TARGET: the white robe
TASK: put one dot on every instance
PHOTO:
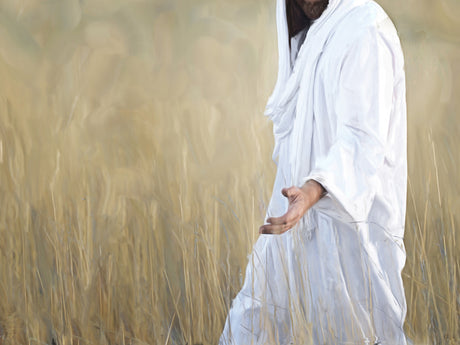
(336, 278)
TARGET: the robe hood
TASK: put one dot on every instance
(284, 54)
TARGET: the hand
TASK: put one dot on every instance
(300, 200)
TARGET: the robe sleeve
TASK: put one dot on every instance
(362, 106)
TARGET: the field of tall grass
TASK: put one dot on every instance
(135, 166)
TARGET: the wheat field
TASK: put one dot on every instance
(135, 166)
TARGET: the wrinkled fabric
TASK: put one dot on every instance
(290, 105)
(335, 278)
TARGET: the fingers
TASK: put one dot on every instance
(292, 216)
(278, 225)
(269, 229)
(278, 220)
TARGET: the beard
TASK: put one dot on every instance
(313, 9)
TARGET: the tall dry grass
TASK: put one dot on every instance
(135, 166)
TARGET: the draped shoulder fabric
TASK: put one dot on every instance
(339, 117)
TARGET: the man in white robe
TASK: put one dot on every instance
(326, 268)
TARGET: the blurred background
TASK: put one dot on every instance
(135, 166)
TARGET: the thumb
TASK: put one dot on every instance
(286, 192)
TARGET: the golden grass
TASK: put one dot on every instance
(135, 166)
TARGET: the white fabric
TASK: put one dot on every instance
(339, 118)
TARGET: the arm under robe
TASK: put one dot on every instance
(363, 106)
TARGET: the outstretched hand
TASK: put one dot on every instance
(300, 200)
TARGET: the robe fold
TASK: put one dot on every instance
(335, 278)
